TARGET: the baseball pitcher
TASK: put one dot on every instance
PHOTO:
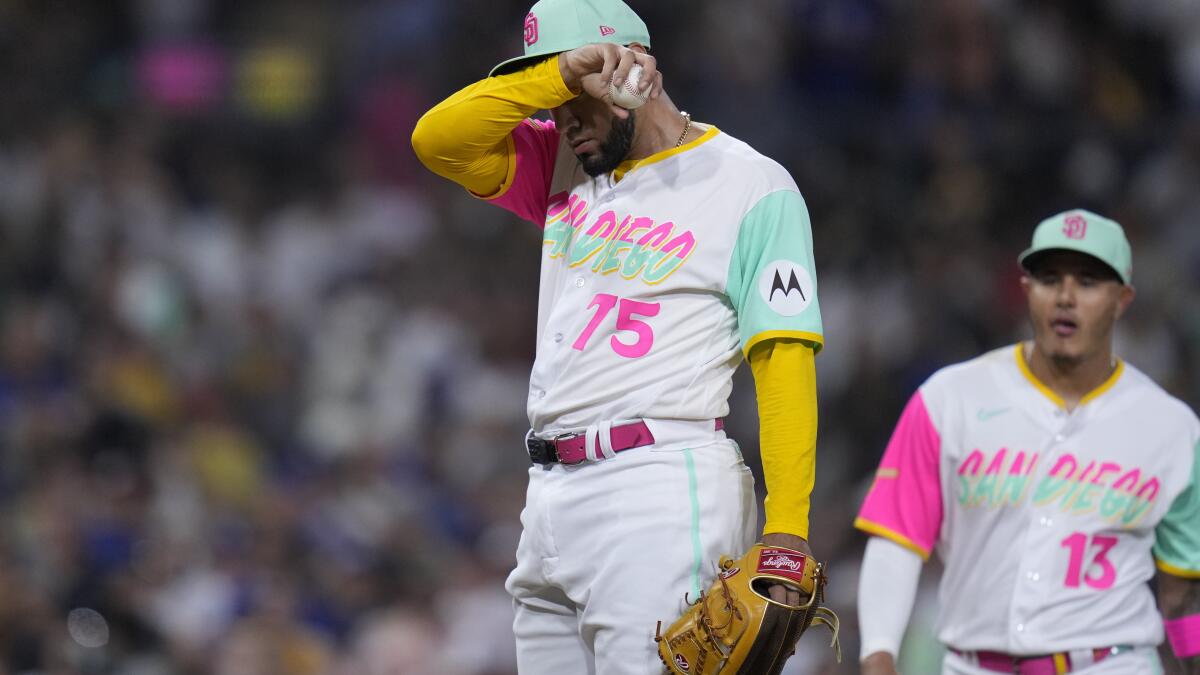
(1051, 478)
(670, 252)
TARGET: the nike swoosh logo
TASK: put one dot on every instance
(985, 415)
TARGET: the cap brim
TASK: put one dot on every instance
(514, 64)
(1029, 254)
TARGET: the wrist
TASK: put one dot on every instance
(786, 540)
(569, 71)
(879, 663)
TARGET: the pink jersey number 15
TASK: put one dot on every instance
(604, 302)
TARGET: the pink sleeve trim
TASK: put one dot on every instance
(527, 190)
(906, 499)
(1184, 635)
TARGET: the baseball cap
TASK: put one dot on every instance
(1086, 232)
(554, 26)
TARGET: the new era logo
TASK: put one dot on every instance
(606, 31)
(1075, 226)
(531, 31)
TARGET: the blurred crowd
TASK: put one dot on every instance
(262, 379)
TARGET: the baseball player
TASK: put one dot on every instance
(670, 252)
(1051, 477)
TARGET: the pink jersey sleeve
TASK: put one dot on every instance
(534, 147)
(905, 502)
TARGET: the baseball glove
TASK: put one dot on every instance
(736, 628)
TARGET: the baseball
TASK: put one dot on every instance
(627, 96)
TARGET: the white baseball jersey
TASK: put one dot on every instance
(652, 286)
(1048, 521)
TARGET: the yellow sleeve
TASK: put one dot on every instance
(466, 137)
(785, 378)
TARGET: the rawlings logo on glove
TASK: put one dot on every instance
(735, 628)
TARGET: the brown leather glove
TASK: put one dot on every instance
(736, 628)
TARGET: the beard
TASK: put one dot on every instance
(613, 150)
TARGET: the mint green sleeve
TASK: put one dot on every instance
(772, 279)
(1177, 537)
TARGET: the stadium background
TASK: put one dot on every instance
(262, 377)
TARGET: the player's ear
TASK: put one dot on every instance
(638, 47)
(1125, 299)
(1025, 283)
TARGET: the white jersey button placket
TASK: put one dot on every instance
(1027, 591)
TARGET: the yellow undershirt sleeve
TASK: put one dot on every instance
(466, 137)
(785, 378)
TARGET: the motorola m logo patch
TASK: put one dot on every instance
(793, 284)
(787, 287)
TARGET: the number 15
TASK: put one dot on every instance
(604, 302)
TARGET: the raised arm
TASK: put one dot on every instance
(467, 137)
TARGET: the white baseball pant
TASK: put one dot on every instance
(609, 548)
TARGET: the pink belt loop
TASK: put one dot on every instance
(604, 441)
(591, 443)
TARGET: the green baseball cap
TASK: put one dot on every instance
(554, 26)
(1086, 232)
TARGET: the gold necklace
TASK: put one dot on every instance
(687, 125)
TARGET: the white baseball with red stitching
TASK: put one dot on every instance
(627, 95)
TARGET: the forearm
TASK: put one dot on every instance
(887, 588)
(1179, 602)
(465, 138)
(785, 380)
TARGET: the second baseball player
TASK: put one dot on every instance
(1051, 478)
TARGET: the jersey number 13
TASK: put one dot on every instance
(1078, 545)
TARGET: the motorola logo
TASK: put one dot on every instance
(786, 287)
